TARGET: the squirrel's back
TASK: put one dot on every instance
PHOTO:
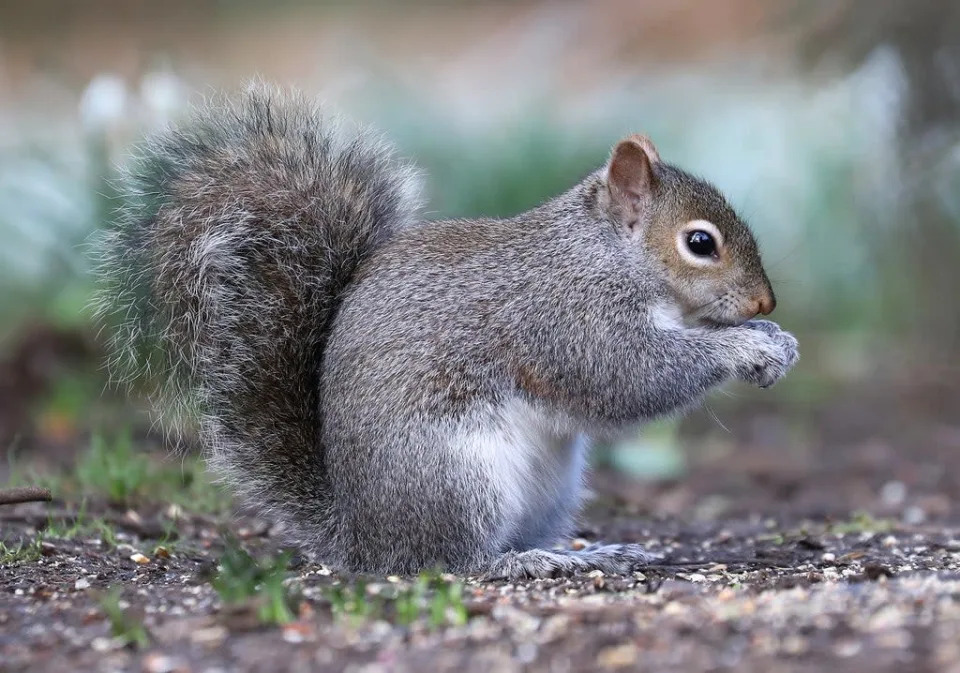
(239, 232)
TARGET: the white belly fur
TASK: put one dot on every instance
(535, 461)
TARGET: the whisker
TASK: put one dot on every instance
(791, 250)
(695, 312)
(716, 418)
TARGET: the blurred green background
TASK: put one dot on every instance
(832, 126)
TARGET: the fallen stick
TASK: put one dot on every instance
(12, 496)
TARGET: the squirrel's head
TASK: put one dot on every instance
(708, 255)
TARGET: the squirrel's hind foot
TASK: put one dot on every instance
(611, 559)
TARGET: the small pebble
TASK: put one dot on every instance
(794, 645)
(213, 636)
(674, 608)
(139, 558)
(295, 632)
(914, 516)
(526, 653)
(893, 493)
(848, 648)
(897, 639)
(81, 584)
(619, 656)
(159, 663)
(102, 644)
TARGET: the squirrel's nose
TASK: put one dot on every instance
(766, 304)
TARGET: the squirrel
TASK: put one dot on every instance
(404, 394)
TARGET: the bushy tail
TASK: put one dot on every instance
(240, 231)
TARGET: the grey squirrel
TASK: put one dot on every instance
(405, 394)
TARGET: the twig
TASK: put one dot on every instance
(12, 496)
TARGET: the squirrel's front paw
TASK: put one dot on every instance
(769, 353)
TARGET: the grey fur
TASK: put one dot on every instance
(400, 394)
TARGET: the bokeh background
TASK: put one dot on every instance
(832, 125)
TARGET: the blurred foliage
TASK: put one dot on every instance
(47, 209)
(114, 469)
(802, 161)
(498, 174)
(921, 40)
(845, 161)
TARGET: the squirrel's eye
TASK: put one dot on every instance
(701, 243)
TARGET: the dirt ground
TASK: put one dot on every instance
(833, 547)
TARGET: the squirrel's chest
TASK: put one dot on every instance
(533, 465)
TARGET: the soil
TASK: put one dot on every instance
(835, 547)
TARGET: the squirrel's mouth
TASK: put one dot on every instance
(721, 311)
(716, 316)
(717, 323)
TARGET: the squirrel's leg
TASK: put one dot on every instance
(555, 522)
(551, 519)
(612, 559)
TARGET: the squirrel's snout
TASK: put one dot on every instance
(766, 304)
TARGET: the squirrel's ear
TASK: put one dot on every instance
(630, 175)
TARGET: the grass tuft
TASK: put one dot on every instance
(862, 522)
(432, 596)
(114, 468)
(23, 552)
(123, 625)
(82, 526)
(242, 578)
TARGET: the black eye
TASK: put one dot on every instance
(701, 243)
